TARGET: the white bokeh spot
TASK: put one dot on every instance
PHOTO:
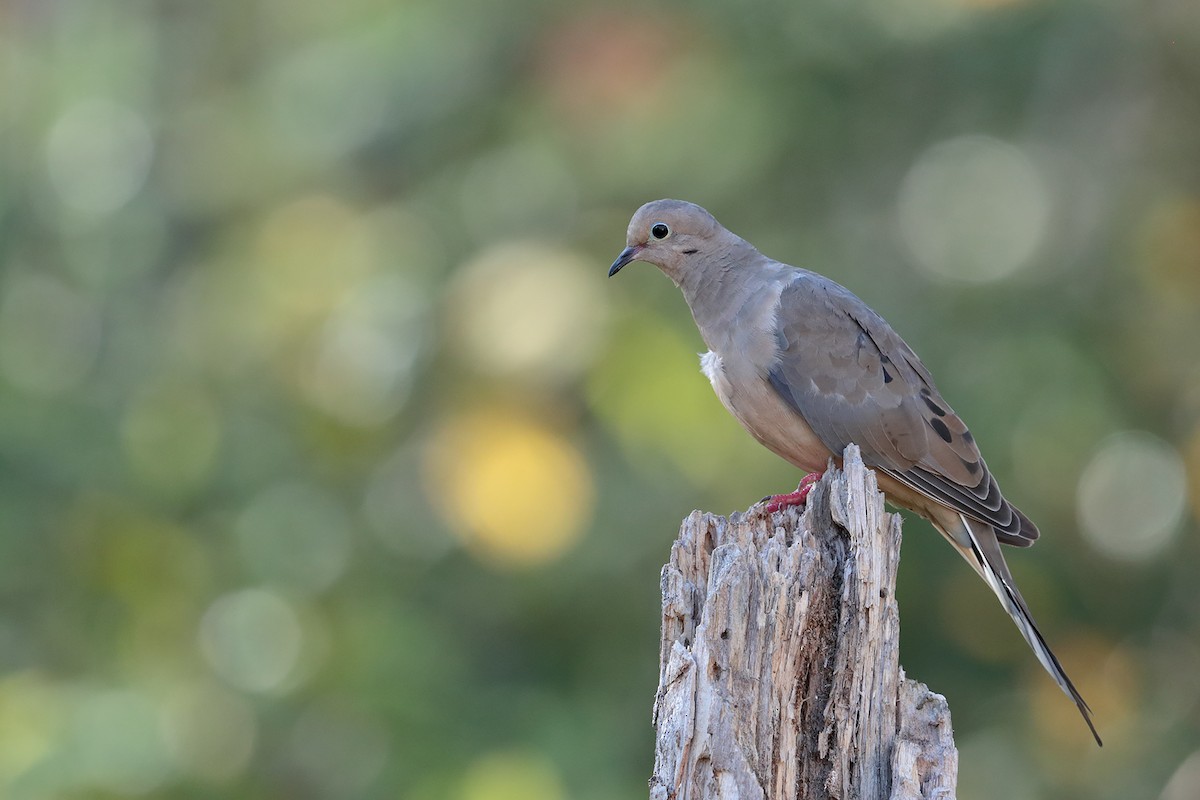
(1131, 496)
(252, 639)
(98, 156)
(973, 209)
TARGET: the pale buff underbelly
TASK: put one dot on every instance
(768, 418)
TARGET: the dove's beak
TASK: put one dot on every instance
(628, 254)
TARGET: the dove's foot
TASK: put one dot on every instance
(778, 502)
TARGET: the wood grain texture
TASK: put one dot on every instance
(779, 674)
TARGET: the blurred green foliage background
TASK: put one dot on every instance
(331, 466)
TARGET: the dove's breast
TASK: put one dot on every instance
(736, 318)
(755, 404)
(737, 365)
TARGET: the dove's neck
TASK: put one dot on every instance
(737, 284)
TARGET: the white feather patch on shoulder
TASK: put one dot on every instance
(710, 365)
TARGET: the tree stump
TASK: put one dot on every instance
(779, 674)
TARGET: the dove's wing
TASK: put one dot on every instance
(853, 379)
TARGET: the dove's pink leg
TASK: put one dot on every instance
(777, 502)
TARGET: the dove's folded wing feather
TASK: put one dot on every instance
(853, 379)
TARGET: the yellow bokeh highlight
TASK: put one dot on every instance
(516, 492)
(152, 566)
(528, 308)
(31, 719)
(515, 775)
(144, 560)
(310, 255)
(1169, 251)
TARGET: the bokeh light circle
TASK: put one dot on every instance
(296, 536)
(529, 309)
(252, 639)
(515, 491)
(1131, 496)
(98, 155)
(512, 775)
(209, 731)
(973, 209)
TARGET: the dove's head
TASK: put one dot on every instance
(673, 235)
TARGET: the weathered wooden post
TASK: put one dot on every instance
(779, 674)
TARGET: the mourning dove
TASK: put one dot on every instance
(807, 368)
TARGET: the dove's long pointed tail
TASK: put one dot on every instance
(982, 551)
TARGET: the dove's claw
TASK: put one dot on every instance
(779, 502)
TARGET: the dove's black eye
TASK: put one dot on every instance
(659, 230)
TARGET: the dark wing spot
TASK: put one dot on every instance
(887, 376)
(967, 437)
(941, 429)
(972, 466)
(933, 406)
